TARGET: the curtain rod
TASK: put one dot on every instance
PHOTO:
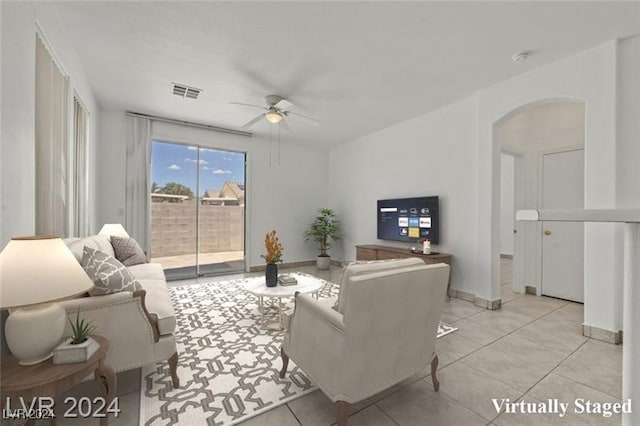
(190, 124)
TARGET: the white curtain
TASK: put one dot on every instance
(80, 187)
(138, 188)
(52, 97)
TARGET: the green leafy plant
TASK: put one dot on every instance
(324, 230)
(175, 188)
(80, 330)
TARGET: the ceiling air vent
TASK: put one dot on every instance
(185, 91)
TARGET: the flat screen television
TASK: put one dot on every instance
(409, 219)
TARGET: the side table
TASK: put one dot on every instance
(24, 383)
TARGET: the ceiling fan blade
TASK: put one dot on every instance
(284, 123)
(249, 105)
(304, 118)
(252, 122)
(283, 104)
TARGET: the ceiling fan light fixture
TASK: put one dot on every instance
(273, 117)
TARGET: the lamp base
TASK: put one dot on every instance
(32, 332)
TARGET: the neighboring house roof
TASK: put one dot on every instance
(211, 193)
(236, 188)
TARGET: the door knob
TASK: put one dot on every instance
(547, 232)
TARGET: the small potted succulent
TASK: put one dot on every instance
(324, 230)
(79, 347)
(273, 257)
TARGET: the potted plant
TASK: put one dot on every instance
(273, 257)
(324, 230)
(80, 346)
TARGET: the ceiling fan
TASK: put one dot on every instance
(276, 112)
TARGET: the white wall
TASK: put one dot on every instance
(18, 108)
(628, 131)
(590, 76)
(628, 123)
(433, 154)
(18, 117)
(282, 196)
(507, 192)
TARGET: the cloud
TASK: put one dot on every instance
(190, 160)
(221, 172)
(192, 148)
(226, 158)
(205, 168)
(174, 167)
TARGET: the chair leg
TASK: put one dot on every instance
(285, 363)
(434, 379)
(173, 367)
(342, 412)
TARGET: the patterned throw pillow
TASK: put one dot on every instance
(128, 251)
(107, 273)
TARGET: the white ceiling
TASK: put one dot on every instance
(357, 67)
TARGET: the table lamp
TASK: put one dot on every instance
(35, 272)
(115, 229)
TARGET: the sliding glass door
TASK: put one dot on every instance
(198, 209)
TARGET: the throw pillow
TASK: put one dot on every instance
(128, 251)
(107, 273)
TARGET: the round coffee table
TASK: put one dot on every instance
(257, 287)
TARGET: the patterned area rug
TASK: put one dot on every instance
(228, 365)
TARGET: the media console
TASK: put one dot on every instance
(377, 252)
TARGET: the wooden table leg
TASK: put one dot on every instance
(107, 378)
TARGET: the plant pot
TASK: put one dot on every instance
(323, 262)
(66, 353)
(271, 274)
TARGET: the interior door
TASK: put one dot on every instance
(563, 242)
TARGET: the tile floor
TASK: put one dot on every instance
(532, 350)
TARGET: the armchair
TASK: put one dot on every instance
(386, 333)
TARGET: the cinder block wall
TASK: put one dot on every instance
(173, 228)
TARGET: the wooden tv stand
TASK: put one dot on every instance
(376, 252)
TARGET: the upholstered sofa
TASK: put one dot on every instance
(139, 324)
(382, 330)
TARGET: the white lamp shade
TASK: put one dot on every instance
(273, 117)
(114, 229)
(37, 270)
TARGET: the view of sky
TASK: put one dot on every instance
(177, 163)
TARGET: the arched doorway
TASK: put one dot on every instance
(546, 141)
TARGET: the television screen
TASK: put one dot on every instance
(409, 219)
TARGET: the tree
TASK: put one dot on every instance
(175, 188)
(155, 188)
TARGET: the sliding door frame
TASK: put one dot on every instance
(246, 198)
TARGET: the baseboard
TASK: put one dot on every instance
(260, 268)
(608, 336)
(491, 305)
(464, 295)
(506, 256)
